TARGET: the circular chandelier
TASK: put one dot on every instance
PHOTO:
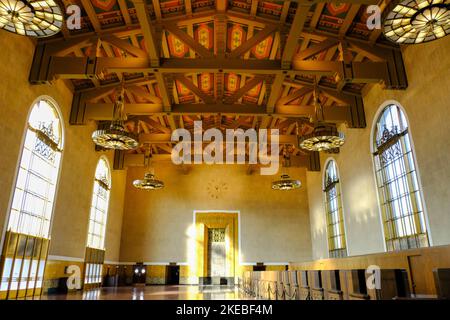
(417, 21)
(116, 137)
(148, 183)
(34, 18)
(286, 183)
(323, 138)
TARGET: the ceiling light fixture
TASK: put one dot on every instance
(116, 137)
(325, 136)
(34, 18)
(417, 21)
(286, 182)
(150, 182)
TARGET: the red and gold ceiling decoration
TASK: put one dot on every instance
(206, 82)
(237, 34)
(184, 94)
(104, 5)
(204, 34)
(177, 48)
(262, 50)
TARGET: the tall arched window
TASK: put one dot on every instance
(398, 187)
(99, 206)
(333, 207)
(97, 224)
(31, 211)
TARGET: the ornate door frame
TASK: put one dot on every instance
(230, 220)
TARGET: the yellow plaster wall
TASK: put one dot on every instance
(55, 269)
(158, 225)
(73, 198)
(426, 102)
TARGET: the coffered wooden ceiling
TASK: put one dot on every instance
(232, 64)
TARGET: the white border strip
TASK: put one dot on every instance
(64, 258)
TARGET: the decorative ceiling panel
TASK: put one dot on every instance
(204, 34)
(252, 96)
(232, 83)
(262, 50)
(270, 9)
(172, 7)
(333, 16)
(237, 34)
(206, 82)
(177, 48)
(184, 94)
(200, 5)
(293, 9)
(358, 28)
(240, 5)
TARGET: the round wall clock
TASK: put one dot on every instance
(216, 188)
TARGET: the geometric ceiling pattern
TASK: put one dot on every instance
(257, 32)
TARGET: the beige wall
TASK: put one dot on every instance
(426, 102)
(274, 225)
(69, 231)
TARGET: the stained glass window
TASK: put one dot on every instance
(32, 205)
(99, 206)
(333, 209)
(26, 242)
(398, 187)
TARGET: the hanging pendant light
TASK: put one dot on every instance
(34, 18)
(417, 21)
(286, 182)
(116, 137)
(325, 136)
(150, 182)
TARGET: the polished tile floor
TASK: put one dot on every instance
(178, 292)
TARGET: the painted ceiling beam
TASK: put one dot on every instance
(192, 87)
(124, 10)
(293, 96)
(165, 138)
(244, 89)
(315, 49)
(92, 15)
(146, 27)
(348, 21)
(274, 91)
(124, 45)
(188, 40)
(304, 2)
(253, 41)
(90, 68)
(138, 159)
(295, 31)
(103, 111)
